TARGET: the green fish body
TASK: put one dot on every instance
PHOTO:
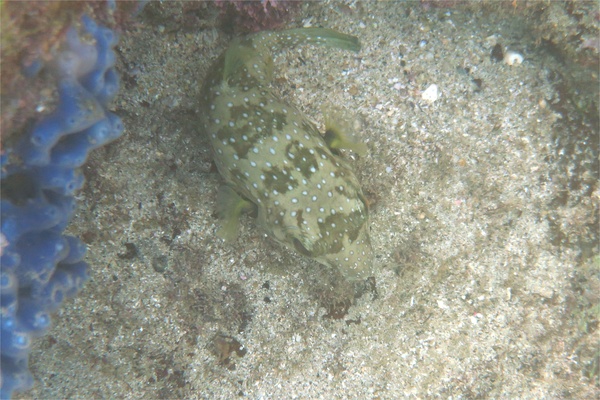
(273, 157)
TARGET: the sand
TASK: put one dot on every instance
(484, 223)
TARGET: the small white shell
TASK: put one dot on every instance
(512, 58)
(430, 94)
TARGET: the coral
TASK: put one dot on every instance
(40, 266)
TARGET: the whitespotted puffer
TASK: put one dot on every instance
(273, 158)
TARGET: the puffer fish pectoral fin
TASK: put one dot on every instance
(236, 56)
(269, 66)
(339, 133)
(233, 59)
(230, 206)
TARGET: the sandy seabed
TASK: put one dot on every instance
(487, 267)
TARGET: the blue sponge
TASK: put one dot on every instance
(40, 267)
(78, 110)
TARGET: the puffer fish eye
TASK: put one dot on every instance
(300, 248)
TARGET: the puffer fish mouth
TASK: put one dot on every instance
(355, 258)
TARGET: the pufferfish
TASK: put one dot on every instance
(274, 159)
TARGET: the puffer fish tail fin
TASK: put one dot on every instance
(339, 133)
(230, 206)
(320, 36)
(253, 52)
